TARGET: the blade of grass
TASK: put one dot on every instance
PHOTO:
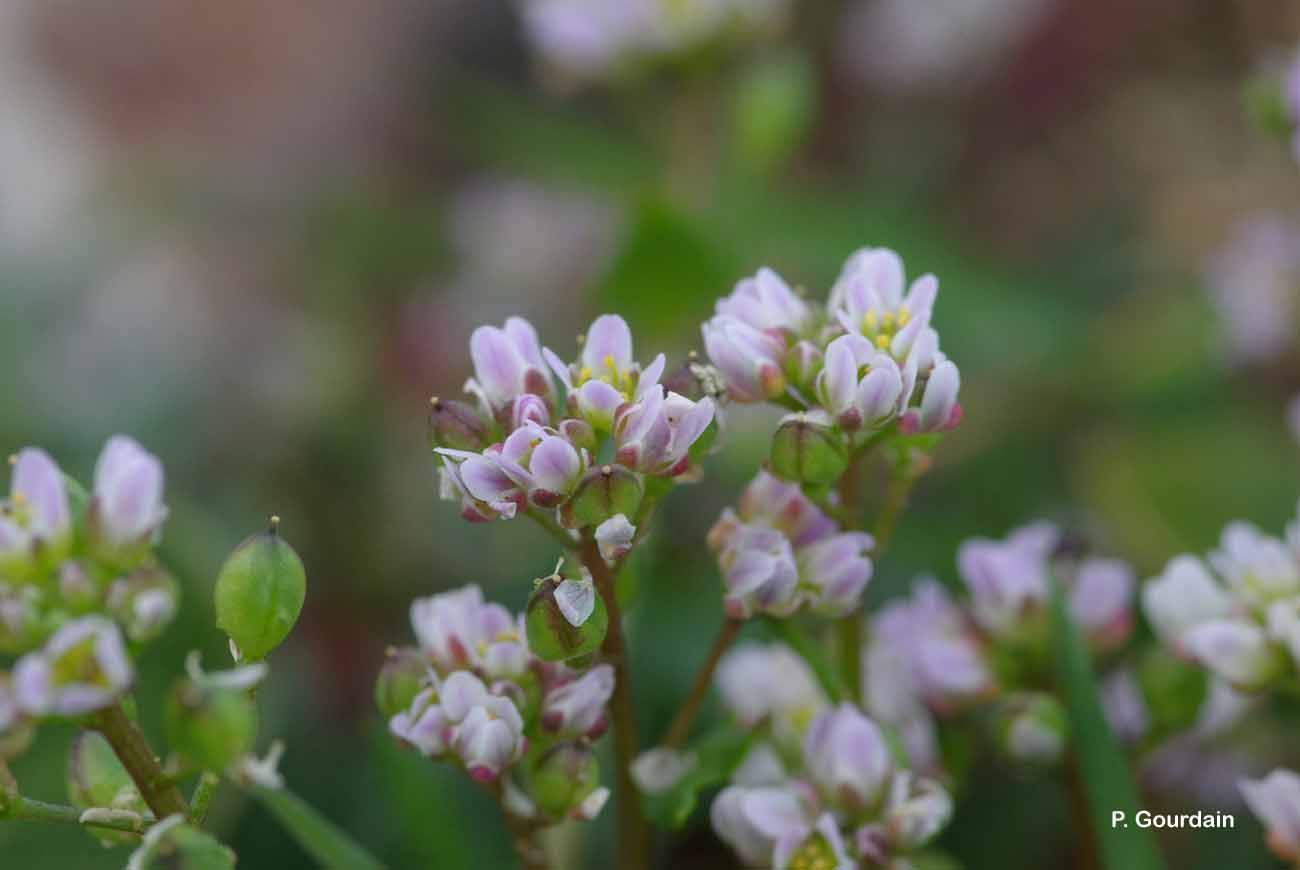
(1107, 782)
(317, 835)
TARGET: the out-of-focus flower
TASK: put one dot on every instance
(1253, 282)
(487, 729)
(507, 365)
(83, 667)
(606, 375)
(868, 300)
(770, 682)
(780, 552)
(655, 434)
(1032, 729)
(916, 811)
(1007, 578)
(847, 759)
(424, 725)
(766, 303)
(859, 385)
(458, 630)
(1183, 596)
(143, 603)
(1259, 569)
(1275, 800)
(1124, 706)
(1100, 600)
(753, 821)
(659, 769)
(614, 537)
(1236, 650)
(36, 516)
(749, 360)
(577, 707)
(127, 507)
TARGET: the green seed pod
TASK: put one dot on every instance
(457, 425)
(175, 845)
(404, 675)
(210, 727)
(563, 777)
(565, 619)
(807, 451)
(97, 779)
(603, 492)
(259, 593)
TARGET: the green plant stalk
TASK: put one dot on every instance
(634, 832)
(680, 726)
(159, 792)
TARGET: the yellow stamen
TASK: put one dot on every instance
(882, 342)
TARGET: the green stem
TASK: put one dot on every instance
(554, 529)
(789, 632)
(162, 795)
(634, 833)
(202, 797)
(26, 809)
(681, 724)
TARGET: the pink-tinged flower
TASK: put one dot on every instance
(868, 300)
(925, 646)
(752, 821)
(915, 811)
(507, 365)
(1007, 579)
(424, 725)
(486, 729)
(458, 630)
(1257, 568)
(529, 409)
(1100, 600)
(657, 770)
(481, 486)
(783, 506)
(758, 571)
(1236, 650)
(577, 707)
(614, 537)
(859, 385)
(36, 514)
(1275, 801)
(83, 667)
(127, 508)
(540, 463)
(836, 570)
(765, 302)
(654, 435)
(1183, 596)
(847, 759)
(1252, 281)
(818, 845)
(939, 410)
(749, 360)
(606, 376)
(770, 683)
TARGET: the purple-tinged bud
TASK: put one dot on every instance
(97, 779)
(1100, 599)
(487, 731)
(758, 566)
(143, 603)
(126, 508)
(939, 410)
(838, 569)
(847, 759)
(1275, 801)
(564, 779)
(457, 425)
(209, 727)
(766, 302)
(579, 433)
(35, 522)
(529, 409)
(615, 537)
(577, 707)
(1237, 651)
(604, 492)
(806, 449)
(481, 485)
(457, 630)
(565, 619)
(748, 359)
(404, 675)
(507, 364)
(1032, 728)
(82, 668)
(656, 433)
(423, 725)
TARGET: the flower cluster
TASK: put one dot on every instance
(539, 421)
(1239, 615)
(598, 39)
(779, 552)
(866, 361)
(929, 658)
(78, 580)
(822, 785)
(474, 692)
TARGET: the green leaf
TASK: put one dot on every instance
(318, 836)
(717, 755)
(1107, 783)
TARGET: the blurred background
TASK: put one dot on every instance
(257, 236)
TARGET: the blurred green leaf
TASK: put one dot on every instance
(318, 836)
(1107, 783)
(772, 109)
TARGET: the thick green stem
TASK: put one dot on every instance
(159, 792)
(202, 797)
(681, 724)
(634, 833)
(14, 806)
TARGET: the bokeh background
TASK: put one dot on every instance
(256, 235)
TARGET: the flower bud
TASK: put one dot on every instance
(486, 729)
(1032, 729)
(143, 603)
(565, 619)
(603, 492)
(259, 593)
(97, 779)
(563, 780)
(210, 727)
(174, 845)
(806, 449)
(77, 590)
(404, 675)
(457, 425)
(127, 508)
(35, 522)
(577, 707)
(847, 758)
